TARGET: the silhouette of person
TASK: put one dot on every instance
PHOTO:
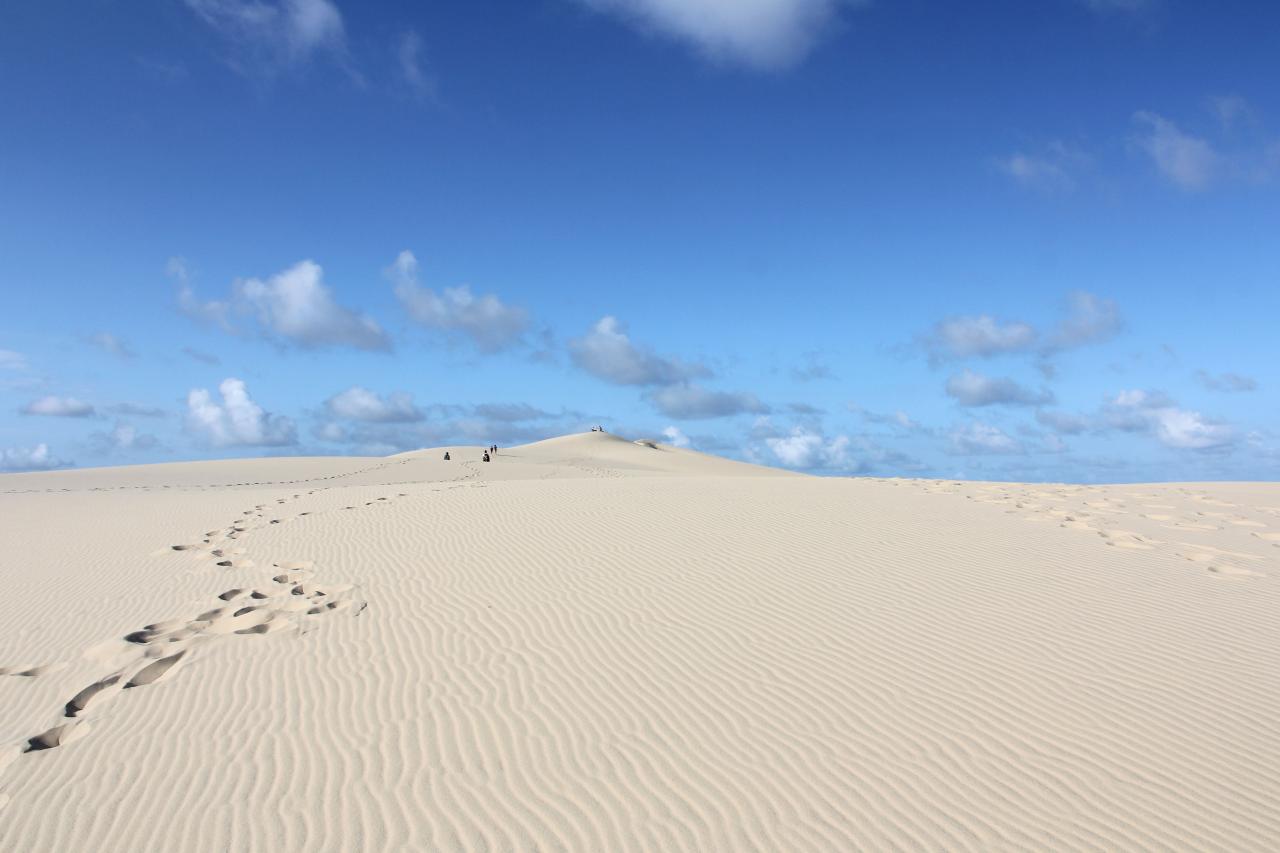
(486, 456)
(446, 456)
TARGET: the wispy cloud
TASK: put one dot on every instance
(10, 360)
(409, 57)
(762, 34)
(1187, 161)
(1055, 168)
(265, 37)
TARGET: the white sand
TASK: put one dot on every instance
(590, 644)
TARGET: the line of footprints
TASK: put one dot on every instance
(289, 602)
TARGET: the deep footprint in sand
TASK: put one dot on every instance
(153, 672)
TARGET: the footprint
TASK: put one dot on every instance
(153, 672)
(95, 694)
(57, 736)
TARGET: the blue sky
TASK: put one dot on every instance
(999, 240)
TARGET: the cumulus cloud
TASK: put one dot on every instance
(807, 450)
(693, 402)
(485, 320)
(10, 360)
(1189, 162)
(265, 36)
(361, 404)
(1157, 414)
(109, 343)
(675, 437)
(609, 354)
(294, 306)
(763, 34)
(977, 438)
(58, 407)
(409, 57)
(974, 389)
(236, 421)
(1226, 382)
(37, 458)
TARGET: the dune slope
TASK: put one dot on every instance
(593, 644)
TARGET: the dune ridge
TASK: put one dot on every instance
(596, 644)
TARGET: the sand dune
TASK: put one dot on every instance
(595, 644)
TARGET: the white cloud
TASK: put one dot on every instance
(1089, 319)
(806, 449)
(265, 35)
(675, 437)
(1062, 422)
(214, 312)
(983, 336)
(361, 404)
(1052, 170)
(608, 353)
(36, 458)
(974, 389)
(765, 34)
(693, 402)
(10, 360)
(109, 343)
(409, 56)
(58, 407)
(1188, 161)
(295, 304)
(491, 325)
(980, 438)
(1142, 411)
(237, 421)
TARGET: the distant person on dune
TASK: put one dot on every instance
(446, 456)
